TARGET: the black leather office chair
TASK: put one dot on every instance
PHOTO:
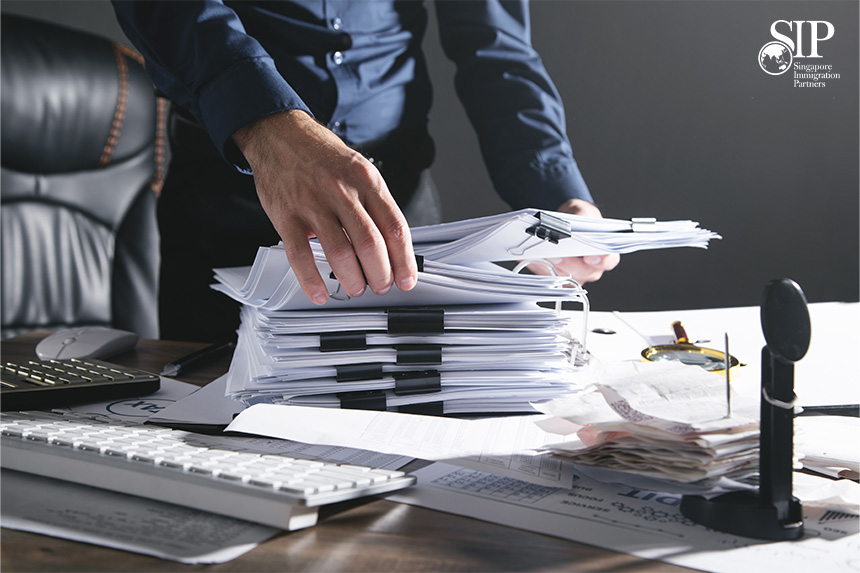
(80, 165)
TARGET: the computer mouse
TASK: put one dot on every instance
(86, 342)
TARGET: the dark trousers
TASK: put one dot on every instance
(210, 217)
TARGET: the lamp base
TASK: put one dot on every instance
(742, 513)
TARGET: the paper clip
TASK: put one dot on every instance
(582, 298)
(520, 250)
(342, 297)
(549, 228)
(336, 294)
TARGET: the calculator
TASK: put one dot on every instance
(41, 385)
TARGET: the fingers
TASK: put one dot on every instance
(580, 207)
(587, 269)
(581, 269)
(342, 259)
(603, 262)
(398, 241)
(311, 184)
(356, 251)
(364, 236)
(378, 234)
(302, 263)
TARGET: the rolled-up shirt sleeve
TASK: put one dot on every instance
(200, 57)
(511, 101)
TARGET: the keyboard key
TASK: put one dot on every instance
(177, 467)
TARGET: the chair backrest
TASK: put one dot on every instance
(79, 137)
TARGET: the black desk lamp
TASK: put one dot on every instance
(772, 513)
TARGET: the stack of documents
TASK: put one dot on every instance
(490, 358)
(663, 420)
(270, 284)
(533, 234)
(469, 338)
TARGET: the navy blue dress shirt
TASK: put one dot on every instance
(357, 66)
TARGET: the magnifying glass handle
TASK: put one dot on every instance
(680, 333)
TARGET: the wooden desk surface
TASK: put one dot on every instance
(375, 535)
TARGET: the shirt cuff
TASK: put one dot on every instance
(243, 93)
(546, 182)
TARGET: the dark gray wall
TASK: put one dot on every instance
(670, 116)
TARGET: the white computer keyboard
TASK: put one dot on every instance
(181, 468)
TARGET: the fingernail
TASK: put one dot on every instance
(383, 290)
(406, 284)
(555, 261)
(592, 260)
(320, 298)
(359, 293)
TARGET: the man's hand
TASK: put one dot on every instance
(311, 184)
(581, 269)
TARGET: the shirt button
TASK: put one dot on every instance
(337, 58)
(336, 24)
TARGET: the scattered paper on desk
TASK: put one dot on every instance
(502, 445)
(644, 523)
(664, 420)
(71, 511)
(206, 406)
(842, 495)
(828, 445)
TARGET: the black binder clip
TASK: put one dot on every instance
(418, 382)
(548, 228)
(367, 400)
(423, 409)
(419, 354)
(403, 320)
(772, 513)
(343, 341)
(358, 372)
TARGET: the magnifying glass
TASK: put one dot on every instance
(686, 352)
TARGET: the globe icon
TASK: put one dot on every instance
(774, 58)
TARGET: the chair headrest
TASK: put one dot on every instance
(68, 97)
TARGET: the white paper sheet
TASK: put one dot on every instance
(826, 375)
(638, 522)
(829, 444)
(438, 284)
(495, 358)
(501, 445)
(208, 406)
(507, 237)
